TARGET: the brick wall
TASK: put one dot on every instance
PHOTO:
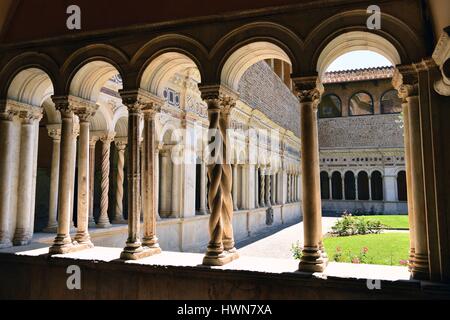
(262, 89)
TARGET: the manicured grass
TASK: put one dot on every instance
(383, 249)
(392, 222)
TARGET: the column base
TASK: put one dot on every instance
(139, 253)
(312, 261)
(103, 225)
(6, 243)
(21, 238)
(51, 229)
(70, 248)
(119, 221)
(202, 213)
(420, 268)
(91, 223)
(213, 259)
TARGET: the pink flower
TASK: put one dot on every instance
(404, 262)
(356, 260)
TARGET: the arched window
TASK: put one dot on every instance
(376, 184)
(390, 102)
(330, 107)
(350, 190)
(325, 185)
(336, 185)
(363, 186)
(401, 186)
(361, 104)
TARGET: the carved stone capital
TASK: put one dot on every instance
(140, 100)
(441, 56)
(54, 132)
(107, 138)
(308, 89)
(84, 109)
(121, 145)
(219, 97)
(405, 81)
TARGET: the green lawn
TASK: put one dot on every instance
(393, 222)
(384, 249)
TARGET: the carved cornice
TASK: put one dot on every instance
(141, 100)
(405, 81)
(25, 112)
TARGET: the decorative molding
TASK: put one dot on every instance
(441, 56)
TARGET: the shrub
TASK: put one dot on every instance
(297, 251)
(349, 225)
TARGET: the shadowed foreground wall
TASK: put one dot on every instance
(44, 278)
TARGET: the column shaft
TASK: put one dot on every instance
(235, 188)
(118, 212)
(52, 224)
(103, 220)
(203, 188)
(92, 145)
(82, 237)
(22, 234)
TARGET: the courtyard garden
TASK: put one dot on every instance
(382, 240)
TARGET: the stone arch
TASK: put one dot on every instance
(164, 66)
(283, 42)
(355, 97)
(363, 186)
(396, 40)
(389, 108)
(29, 61)
(100, 55)
(401, 186)
(31, 86)
(169, 43)
(330, 98)
(336, 186)
(87, 82)
(376, 186)
(350, 185)
(325, 185)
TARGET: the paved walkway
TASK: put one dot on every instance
(279, 245)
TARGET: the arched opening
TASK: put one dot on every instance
(361, 104)
(377, 186)
(363, 186)
(325, 185)
(391, 102)
(350, 190)
(336, 186)
(330, 106)
(401, 186)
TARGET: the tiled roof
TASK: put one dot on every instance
(358, 75)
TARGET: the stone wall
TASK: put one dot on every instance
(374, 131)
(262, 89)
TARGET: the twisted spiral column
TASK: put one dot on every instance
(118, 213)
(262, 191)
(221, 248)
(103, 220)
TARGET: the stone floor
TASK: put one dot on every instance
(279, 244)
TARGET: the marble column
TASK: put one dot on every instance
(262, 191)
(118, 212)
(76, 133)
(221, 248)
(409, 92)
(92, 144)
(268, 190)
(157, 182)
(103, 220)
(257, 187)
(82, 236)
(330, 186)
(22, 235)
(313, 258)
(288, 198)
(235, 187)
(6, 163)
(52, 224)
(63, 242)
(150, 239)
(134, 249)
(176, 188)
(202, 188)
(165, 184)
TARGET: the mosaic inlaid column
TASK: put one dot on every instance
(52, 224)
(268, 189)
(103, 220)
(262, 191)
(312, 259)
(221, 248)
(120, 178)
(235, 187)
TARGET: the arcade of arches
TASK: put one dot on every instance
(88, 130)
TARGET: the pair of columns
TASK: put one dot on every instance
(293, 187)
(29, 118)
